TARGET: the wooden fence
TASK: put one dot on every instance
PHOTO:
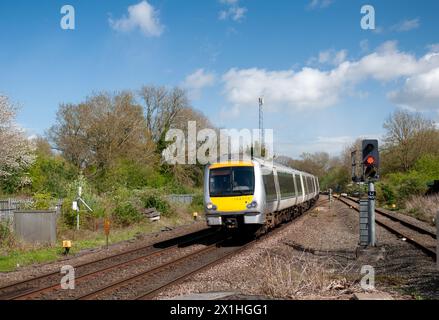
(180, 198)
(8, 206)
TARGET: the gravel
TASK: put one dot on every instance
(318, 257)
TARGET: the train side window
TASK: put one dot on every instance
(270, 187)
(286, 184)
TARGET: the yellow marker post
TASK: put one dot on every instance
(195, 215)
(67, 244)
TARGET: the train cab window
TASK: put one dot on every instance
(234, 181)
(270, 187)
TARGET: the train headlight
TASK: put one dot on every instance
(252, 205)
(211, 206)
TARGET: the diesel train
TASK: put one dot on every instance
(255, 194)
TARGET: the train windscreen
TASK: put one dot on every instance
(233, 181)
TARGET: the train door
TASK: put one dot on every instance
(276, 182)
(302, 181)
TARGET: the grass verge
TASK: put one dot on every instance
(21, 255)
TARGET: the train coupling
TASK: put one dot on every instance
(231, 223)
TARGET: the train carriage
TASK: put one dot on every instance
(256, 194)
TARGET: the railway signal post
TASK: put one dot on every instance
(370, 174)
(371, 209)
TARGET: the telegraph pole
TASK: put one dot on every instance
(261, 122)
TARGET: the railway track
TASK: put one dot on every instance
(153, 281)
(415, 233)
(33, 287)
(140, 273)
(153, 292)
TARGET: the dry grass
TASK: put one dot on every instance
(423, 208)
(300, 276)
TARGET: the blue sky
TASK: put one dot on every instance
(325, 80)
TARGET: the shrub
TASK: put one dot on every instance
(100, 205)
(428, 166)
(423, 208)
(385, 193)
(51, 174)
(156, 201)
(407, 185)
(197, 203)
(126, 214)
(6, 235)
(42, 201)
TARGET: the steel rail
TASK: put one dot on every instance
(419, 229)
(30, 292)
(150, 294)
(155, 270)
(417, 242)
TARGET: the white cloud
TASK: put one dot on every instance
(197, 81)
(421, 90)
(331, 57)
(141, 16)
(434, 47)
(234, 11)
(287, 90)
(406, 25)
(307, 88)
(364, 45)
(319, 4)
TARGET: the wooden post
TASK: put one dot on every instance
(107, 230)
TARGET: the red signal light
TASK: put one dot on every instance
(370, 160)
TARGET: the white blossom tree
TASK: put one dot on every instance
(16, 151)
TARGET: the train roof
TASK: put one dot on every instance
(270, 164)
(280, 167)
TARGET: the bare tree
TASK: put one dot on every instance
(408, 136)
(16, 151)
(316, 163)
(189, 175)
(161, 106)
(101, 130)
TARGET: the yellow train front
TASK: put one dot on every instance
(255, 194)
